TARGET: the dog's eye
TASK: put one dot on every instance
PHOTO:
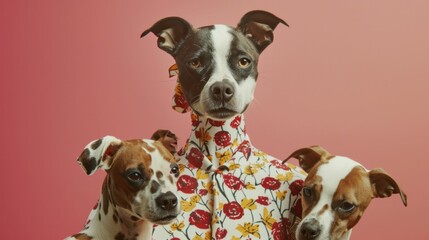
(175, 169)
(135, 176)
(346, 207)
(243, 62)
(308, 192)
(195, 63)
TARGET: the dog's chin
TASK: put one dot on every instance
(221, 113)
(164, 219)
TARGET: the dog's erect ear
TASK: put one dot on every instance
(308, 157)
(258, 26)
(99, 154)
(383, 185)
(171, 32)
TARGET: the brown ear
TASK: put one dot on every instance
(308, 157)
(258, 26)
(384, 185)
(171, 32)
(99, 154)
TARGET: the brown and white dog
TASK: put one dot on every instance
(138, 191)
(336, 193)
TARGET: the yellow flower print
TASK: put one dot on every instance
(189, 206)
(181, 168)
(260, 154)
(285, 177)
(234, 143)
(202, 174)
(249, 170)
(233, 166)
(267, 219)
(249, 228)
(248, 204)
(223, 157)
(197, 237)
(235, 238)
(250, 186)
(208, 236)
(177, 226)
(281, 195)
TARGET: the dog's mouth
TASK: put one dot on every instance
(165, 220)
(222, 113)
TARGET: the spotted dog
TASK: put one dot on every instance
(138, 191)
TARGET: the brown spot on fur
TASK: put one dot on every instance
(354, 188)
(170, 178)
(89, 164)
(105, 193)
(120, 236)
(82, 236)
(314, 182)
(324, 209)
(159, 174)
(131, 155)
(154, 187)
(96, 144)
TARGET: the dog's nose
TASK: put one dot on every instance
(310, 229)
(166, 201)
(222, 91)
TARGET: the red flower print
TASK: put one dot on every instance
(236, 122)
(297, 209)
(263, 200)
(221, 233)
(233, 210)
(278, 164)
(233, 182)
(203, 192)
(200, 218)
(180, 102)
(222, 139)
(296, 186)
(216, 123)
(278, 231)
(245, 149)
(175, 238)
(187, 184)
(270, 183)
(195, 158)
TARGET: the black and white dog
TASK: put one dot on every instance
(218, 64)
(227, 188)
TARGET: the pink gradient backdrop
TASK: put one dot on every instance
(350, 76)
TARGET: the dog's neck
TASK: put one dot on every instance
(108, 220)
(216, 140)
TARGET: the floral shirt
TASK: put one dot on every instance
(229, 189)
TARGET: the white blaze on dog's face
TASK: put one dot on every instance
(217, 64)
(335, 196)
(230, 86)
(142, 181)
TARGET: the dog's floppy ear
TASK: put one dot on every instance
(258, 26)
(384, 185)
(99, 154)
(308, 157)
(171, 32)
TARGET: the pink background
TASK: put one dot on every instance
(351, 76)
